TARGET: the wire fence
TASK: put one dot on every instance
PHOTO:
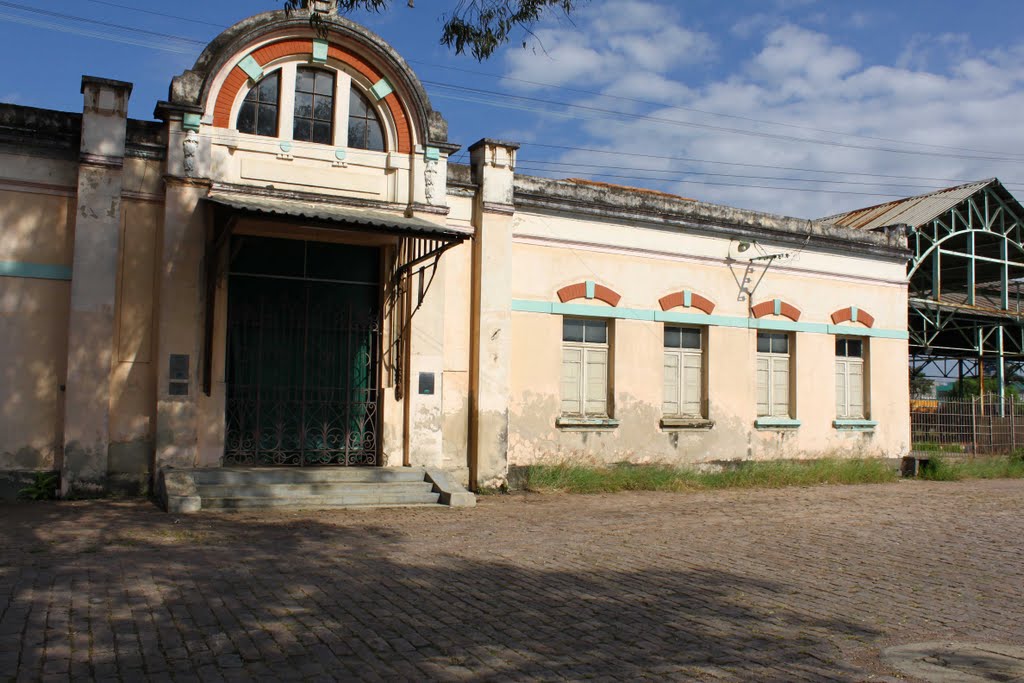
(969, 427)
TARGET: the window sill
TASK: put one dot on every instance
(577, 422)
(686, 423)
(776, 423)
(855, 425)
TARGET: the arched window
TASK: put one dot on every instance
(314, 106)
(364, 129)
(258, 114)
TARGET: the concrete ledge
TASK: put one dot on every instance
(452, 493)
(570, 422)
(681, 423)
(176, 491)
(776, 423)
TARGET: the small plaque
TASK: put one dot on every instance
(178, 367)
(427, 383)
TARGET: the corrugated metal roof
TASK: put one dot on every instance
(915, 211)
(331, 212)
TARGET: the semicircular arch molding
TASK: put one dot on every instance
(216, 78)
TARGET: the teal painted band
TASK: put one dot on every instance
(584, 310)
(251, 68)
(687, 298)
(853, 314)
(38, 271)
(591, 288)
(778, 306)
(867, 332)
(788, 326)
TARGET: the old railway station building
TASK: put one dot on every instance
(286, 271)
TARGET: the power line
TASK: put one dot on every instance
(708, 182)
(721, 129)
(107, 24)
(596, 110)
(573, 164)
(620, 153)
(92, 33)
(705, 112)
(158, 14)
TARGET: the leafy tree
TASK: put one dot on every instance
(920, 385)
(476, 26)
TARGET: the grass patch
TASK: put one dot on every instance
(627, 477)
(941, 469)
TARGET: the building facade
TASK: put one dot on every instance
(287, 270)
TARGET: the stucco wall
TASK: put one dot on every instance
(643, 265)
(37, 220)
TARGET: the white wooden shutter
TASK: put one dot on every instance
(842, 410)
(691, 384)
(597, 382)
(780, 387)
(572, 381)
(763, 380)
(855, 370)
(670, 402)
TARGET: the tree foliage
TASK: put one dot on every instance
(478, 27)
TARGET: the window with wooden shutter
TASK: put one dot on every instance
(850, 378)
(585, 361)
(773, 375)
(683, 372)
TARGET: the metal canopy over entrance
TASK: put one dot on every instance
(965, 278)
(371, 349)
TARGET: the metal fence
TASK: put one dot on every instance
(972, 426)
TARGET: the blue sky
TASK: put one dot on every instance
(798, 107)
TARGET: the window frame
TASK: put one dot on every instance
(345, 80)
(586, 350)
(330, 121)
(275, 74)
(845, 362)
(682, 354)
(774, 360)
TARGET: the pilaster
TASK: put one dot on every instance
(493, 165)
(94, 287)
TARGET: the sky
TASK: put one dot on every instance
(797, 107)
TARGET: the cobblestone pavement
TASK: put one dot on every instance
(791, 584)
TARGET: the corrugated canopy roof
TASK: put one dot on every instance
(914, 211)
(342, 215)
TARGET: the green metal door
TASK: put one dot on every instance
(303, 354)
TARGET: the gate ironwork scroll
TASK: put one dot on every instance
(303, 387)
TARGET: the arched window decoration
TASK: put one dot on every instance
(258, 115)
(364, 128)
(314, 106)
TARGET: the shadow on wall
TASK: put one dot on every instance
(186, 594)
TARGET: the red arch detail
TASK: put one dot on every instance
(678, 299)
(284, 48)
(768, 308)
(579, 291)
(846, 314)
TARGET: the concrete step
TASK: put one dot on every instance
(305, 475)
(371, 499)
(337, 489)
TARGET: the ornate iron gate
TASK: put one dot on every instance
(302, 372)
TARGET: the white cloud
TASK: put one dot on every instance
(966, 99)
(611, 42)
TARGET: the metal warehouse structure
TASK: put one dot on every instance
(965, 277)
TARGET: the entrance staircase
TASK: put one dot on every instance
(236, 488)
